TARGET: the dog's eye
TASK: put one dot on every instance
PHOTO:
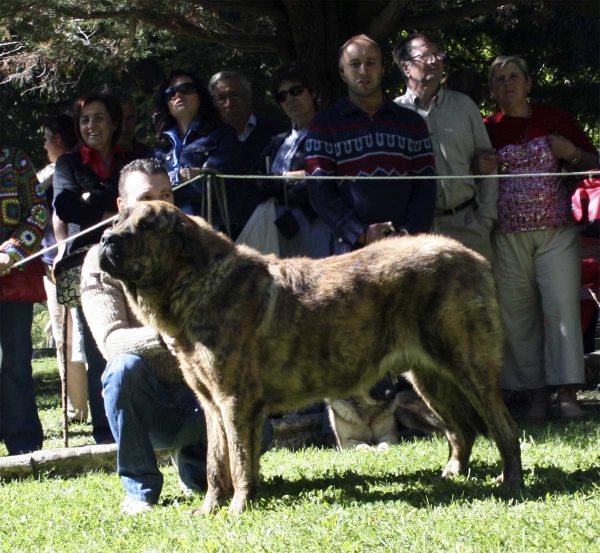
(144, 224)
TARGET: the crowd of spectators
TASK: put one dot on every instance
(522, 226)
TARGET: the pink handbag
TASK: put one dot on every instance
(586, 201)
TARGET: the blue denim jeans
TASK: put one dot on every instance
(20, 426)
(96, 365)
(146, 414)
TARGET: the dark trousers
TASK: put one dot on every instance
(20, 426)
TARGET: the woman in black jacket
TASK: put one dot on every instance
(86, 186)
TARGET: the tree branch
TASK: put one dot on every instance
(265, 8)
(435, 19)
(257, 43)
(385, 22)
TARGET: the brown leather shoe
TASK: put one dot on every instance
(539, 408)
(567, 404)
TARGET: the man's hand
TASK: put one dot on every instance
(375, 232)
(485, 163)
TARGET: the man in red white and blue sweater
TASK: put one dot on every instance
(366, 134)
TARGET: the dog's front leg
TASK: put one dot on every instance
(217, 460)
(244, 433)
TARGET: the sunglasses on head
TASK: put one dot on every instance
(183, 88)
(282, 95)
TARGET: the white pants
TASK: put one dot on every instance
(466, 227)
(76, 369)
(538, 275)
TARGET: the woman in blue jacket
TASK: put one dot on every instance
(190, 136)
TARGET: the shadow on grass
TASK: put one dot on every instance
(47, 385)
(420, 489)
(426, 488)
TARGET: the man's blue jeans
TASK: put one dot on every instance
(144, 415)
(20, 426)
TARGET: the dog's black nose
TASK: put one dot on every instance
(107, 238)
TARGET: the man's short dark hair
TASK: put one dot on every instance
(147, 166)
(63, 124)
(403, 50)
(354, 39)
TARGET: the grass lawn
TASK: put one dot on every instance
(320, 500)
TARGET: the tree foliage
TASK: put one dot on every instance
(53, 51)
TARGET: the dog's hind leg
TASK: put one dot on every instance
(492, 409)
(445, 399)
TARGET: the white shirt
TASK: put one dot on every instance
(250, 124)
(457, 136)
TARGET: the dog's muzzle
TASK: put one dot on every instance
(109, 253)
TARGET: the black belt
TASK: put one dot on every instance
(442, 212)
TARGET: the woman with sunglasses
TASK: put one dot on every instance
(190, 136)
(300, 231)
(537, 251)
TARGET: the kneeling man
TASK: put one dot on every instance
(148, 404)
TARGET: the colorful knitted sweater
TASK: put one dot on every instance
(23, 212)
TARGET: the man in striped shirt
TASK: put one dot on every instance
(366, 134)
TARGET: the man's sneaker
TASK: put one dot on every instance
(134, 507)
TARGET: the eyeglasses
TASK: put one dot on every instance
(429, 58)
(183, 88)
(282, 95)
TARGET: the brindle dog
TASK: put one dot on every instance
(255, 333)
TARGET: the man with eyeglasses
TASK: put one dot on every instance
(367, 134)
(465, 208)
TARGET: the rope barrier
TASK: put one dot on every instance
(179, 186)
(445, 177)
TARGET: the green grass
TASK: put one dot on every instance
(319, 500)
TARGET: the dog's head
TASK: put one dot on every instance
(153, 240)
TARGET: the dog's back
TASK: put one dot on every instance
(343, 322)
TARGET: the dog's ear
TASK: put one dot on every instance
(202, 244)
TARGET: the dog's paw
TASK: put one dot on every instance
(211, 503)
(513, 482)
(364, 447)
(383, 446)
(238, 504)
(453, 468)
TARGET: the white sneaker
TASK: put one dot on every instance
(134, 506)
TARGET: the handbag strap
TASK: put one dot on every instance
(285, 194)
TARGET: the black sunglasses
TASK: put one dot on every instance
(183, 88)
(282, 95)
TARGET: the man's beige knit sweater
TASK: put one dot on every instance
(114, 326)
